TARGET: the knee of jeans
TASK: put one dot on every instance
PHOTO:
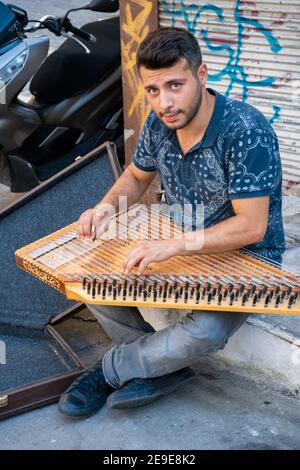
(209, 329)
(205, 344)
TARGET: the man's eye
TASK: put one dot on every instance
(152, 91)
(175, 86)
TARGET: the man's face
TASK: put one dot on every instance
(174, 93)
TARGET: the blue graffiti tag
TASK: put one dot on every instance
(233, 69)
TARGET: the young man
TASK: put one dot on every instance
(208, 150)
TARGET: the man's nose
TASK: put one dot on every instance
(166, 101)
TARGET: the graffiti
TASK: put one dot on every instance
(276, 114)
(234, 71)
(136, 28)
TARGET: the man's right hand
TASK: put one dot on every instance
(93, 222)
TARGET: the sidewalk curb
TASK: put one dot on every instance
(265, 353)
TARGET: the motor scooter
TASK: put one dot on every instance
(76, 91)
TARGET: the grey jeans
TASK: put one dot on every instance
(143, 352)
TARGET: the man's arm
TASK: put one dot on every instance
(247, 226)
(132, 183)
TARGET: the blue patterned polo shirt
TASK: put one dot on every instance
(238, 157)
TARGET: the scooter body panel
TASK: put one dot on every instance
(18, 121)
(78, 111)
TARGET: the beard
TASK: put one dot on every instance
(189, 114)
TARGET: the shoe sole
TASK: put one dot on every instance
(79, 414)
(136, 402)
(76, 416)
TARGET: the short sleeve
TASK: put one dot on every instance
(144, 155)
(254, 167)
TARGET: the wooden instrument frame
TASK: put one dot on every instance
(73, 284)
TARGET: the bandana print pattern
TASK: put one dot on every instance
(238, 157)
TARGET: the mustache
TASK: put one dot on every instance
(170, 112)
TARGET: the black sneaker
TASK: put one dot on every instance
(139, 392)
(86, 395)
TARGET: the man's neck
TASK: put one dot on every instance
(195, 130)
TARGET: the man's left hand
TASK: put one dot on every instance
(147, 251)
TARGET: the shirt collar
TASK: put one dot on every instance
(215, 121)
(213, 125)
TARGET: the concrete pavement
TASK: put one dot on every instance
(218, 410)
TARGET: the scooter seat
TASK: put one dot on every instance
(69, 70)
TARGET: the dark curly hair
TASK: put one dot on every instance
(164, 47)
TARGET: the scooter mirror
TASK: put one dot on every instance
(20, 14)
(105, 6)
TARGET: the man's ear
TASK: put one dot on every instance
(202, 74)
